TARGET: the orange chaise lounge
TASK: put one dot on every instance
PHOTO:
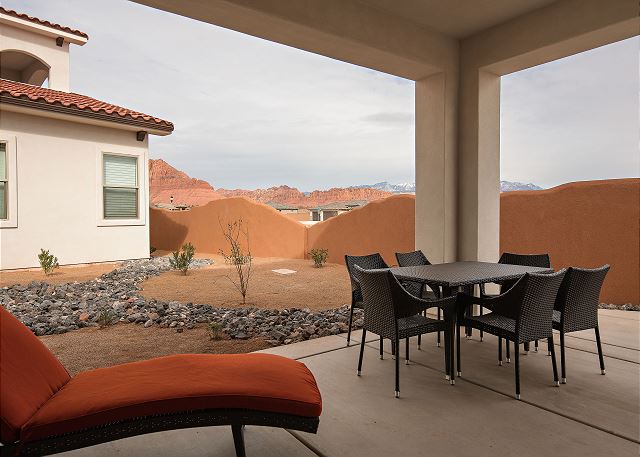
(44, 411)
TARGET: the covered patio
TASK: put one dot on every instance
(591, 415)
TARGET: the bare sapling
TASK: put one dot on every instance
(241, 261)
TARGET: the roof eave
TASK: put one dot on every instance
(59, 111)
(42, 29)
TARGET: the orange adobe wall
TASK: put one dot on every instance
(583, 224)
(386, 226)
(271, 234)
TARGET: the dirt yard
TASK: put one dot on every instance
(70, 273)
(90, 348)
(314, 288)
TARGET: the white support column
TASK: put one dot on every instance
(436, 200)
(479, 166)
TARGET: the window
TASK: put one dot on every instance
(120, 186)
(4, 184)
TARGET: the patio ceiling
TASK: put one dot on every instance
(458, 18)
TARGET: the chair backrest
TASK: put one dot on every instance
(379, 311)
(535, 315)
(526, 260)
(412, 259)
(29, 375)
(366, 262)
(579, 297)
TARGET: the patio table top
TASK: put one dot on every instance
(465, 273)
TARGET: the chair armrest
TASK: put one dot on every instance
(506, 304)
(409, 305)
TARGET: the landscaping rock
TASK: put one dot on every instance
(47, 309)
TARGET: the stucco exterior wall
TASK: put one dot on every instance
(59, 193)
(42, 47)
(385, 226)
(584, 224)
(271, 234)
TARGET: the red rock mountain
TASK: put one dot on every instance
(166, 182)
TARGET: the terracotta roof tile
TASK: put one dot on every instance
(75, 102)
(35, 20)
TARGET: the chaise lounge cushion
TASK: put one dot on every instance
(175, 384)
(29, 375)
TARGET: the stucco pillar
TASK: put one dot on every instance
(435, 166)
(479, 166)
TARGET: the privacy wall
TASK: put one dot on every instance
(585, 224)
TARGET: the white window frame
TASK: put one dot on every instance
(12, 182)
(141, 182)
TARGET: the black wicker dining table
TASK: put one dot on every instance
(455, 276)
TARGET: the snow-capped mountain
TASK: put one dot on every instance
(410, 187)
(404, 188)
(508, 186)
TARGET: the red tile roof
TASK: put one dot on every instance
(29, 96)
(35, 20)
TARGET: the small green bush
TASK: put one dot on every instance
(215, 330)
(48, 262)
(319, 257)
(105, 317)
(180, 260)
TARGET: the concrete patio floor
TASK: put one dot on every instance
(592, 415)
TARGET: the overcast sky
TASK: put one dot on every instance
(250, 113)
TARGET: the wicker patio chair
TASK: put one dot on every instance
(522, 314)
(43, 410)
(576, 307)
(527, 260)
(393, 313)
(367, 262)
(415, 258)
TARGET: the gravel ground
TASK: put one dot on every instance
(115, 297)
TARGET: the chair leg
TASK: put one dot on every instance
(526, 347)
(602, 370)
(350, 323)
(553, 360)
(516, 352)
(458, 352)
(406, 347)
(563, 366)
(419, 341)
(508, 346)
(393, 349)
(481, 332)
(447, 354)
(381, 349)
(536, 346)
(452, 345)
(238, 440)
(438, 332)
(397, 392)
(364, 334)
(500, 351)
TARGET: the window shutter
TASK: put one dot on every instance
(3, 180)
(120, 171)
(120, 187)
(120, 203)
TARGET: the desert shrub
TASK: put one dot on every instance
(215, 330)
(319, 256)
(180, 260)
(48, 262)
(152, 250)
(105, 317)
(241, 260)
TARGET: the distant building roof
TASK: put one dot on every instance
(35, 20)
(336, 206)
(28, 96)
(281, 207)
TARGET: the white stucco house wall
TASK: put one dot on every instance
(73, 169)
